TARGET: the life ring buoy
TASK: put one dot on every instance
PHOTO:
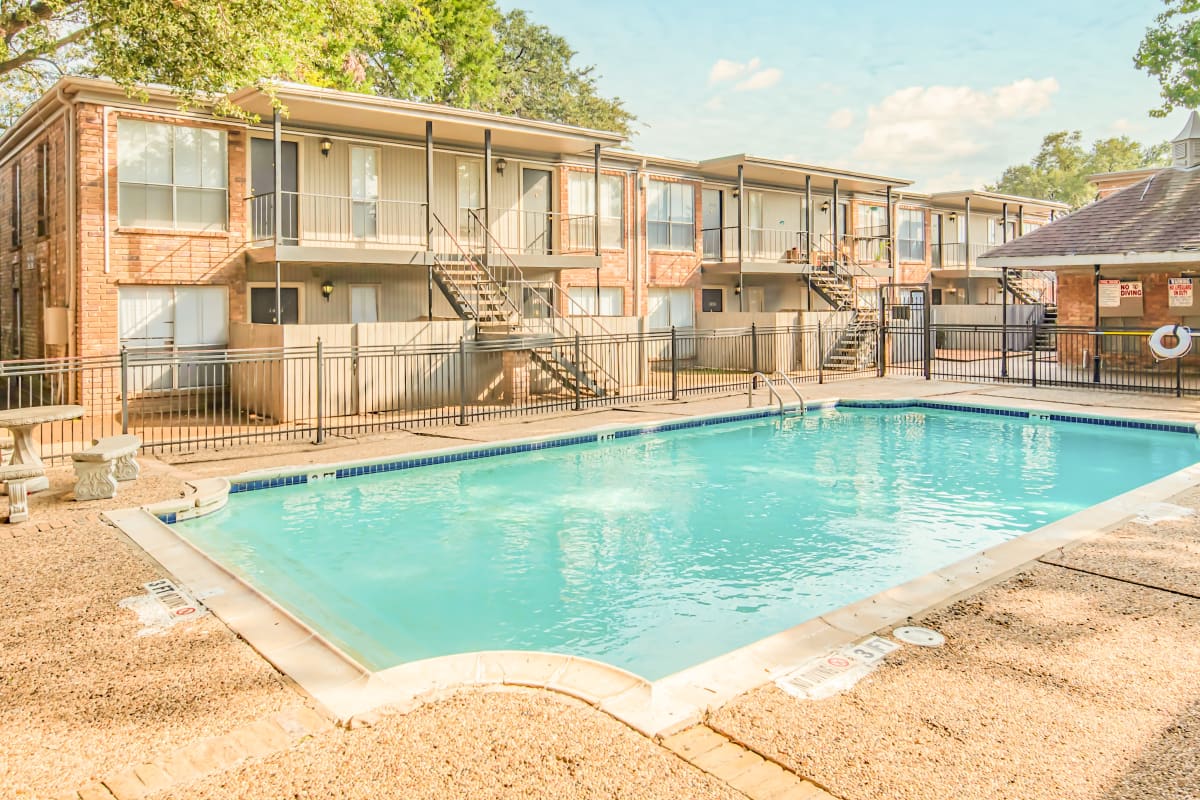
(1183, 344)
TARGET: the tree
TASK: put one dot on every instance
(1170, 51)
(200, 47)
(1061, 167)
(538, 80)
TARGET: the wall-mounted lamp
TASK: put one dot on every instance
(953, 217)
(825, 207)
(326, 146)
(501, 165)
(737, 290)
(327, 289)
(736, 192)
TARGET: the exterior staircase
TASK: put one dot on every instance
(834, 282)
(1017, 289)
(477, 287)
(1047, 339)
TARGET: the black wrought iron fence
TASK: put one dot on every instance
(187, 400)
(1037, 355)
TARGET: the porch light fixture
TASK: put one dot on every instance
(825, 207)
(326, 146)
(501, 165)
(736, 193)
(327, 289)
(953, 216)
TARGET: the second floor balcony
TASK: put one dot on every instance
(376, 229)
(956, 255)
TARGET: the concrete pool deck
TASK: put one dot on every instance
(89, 701)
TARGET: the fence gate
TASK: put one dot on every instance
(904, 320)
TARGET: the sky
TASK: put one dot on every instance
(946, 94)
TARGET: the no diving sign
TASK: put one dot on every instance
(178, 603)
(835, 672)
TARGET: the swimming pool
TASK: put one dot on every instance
(654, 551)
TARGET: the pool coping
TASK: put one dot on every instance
(351, 692)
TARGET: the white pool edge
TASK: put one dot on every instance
(349, 691)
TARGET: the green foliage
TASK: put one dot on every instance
(539, 81)
(458, 52)
(1170, 51)
(1061, 167)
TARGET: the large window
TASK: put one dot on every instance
(911, 238)
(160, 324)
(581, 202)
(583, 301)
(43, 187)
(672, 308)
(671, 216)
(470, 196)
(171, 176)
(364, 191)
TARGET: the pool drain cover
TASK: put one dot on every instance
(922, 637)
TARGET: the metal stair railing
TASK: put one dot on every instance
(800, 397)
(770, 388)
(478, 266)
(514, 275)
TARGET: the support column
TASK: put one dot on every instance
(596, 208)
(1020, 222)
(1004, 223)
(741, 198)
(808, 217)
(891, 244)
(487, 196)
(967, 244)
(1004, 322)
(277, 127)
(1096, 328)
(429, 190)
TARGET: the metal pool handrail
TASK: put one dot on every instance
(788, 381)
(770, 387)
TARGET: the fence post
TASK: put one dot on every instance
(881, 351)
(578, 371)
(1179, 377)
(674, 367)
(124, 390)
(754, 352)
(462, 380)
(820, 353)
(1034, 358)
(320, 391)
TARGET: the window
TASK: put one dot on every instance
(1030, 227)
(712, 299)
(14, 211)
(872, 220)
(160, 324)
(470, 196)
(670, 216)
(581, 202)
(583, 301)
(911, 234)
(672, 308)
(262, 304)
(364, 304)
(43, 198)
(364, 191)
(992, 234)
(171, 176)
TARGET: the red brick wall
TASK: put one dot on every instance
(38, 266)
(675, 269)
(616, 265)
(139, 256)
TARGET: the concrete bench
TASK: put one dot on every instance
(14, 476)
(109, 460)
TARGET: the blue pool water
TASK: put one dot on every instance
(659, 551)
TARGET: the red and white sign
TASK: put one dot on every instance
(1179, 292)
(1131, 289)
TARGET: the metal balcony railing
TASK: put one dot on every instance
(956, 254)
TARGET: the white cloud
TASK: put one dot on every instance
(749, 75)
(930, 124)
(714, 103)
(955, 179)
(762, 79)
(726, 70)
(841, 119)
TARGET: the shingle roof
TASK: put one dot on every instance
(1160, 214)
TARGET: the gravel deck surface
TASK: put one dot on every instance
(1053, 684)
(81, 694)
(476, 744)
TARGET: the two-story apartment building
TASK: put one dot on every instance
(133, 223)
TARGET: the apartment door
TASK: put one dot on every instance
(536, 228)
(935, 234)
(262, 187)
(712, 213)
(364, 303)
(756, 300)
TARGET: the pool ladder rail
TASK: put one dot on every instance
(774, 391)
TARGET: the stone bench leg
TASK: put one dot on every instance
(18, 501)
(126, 468)
(94, 480)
